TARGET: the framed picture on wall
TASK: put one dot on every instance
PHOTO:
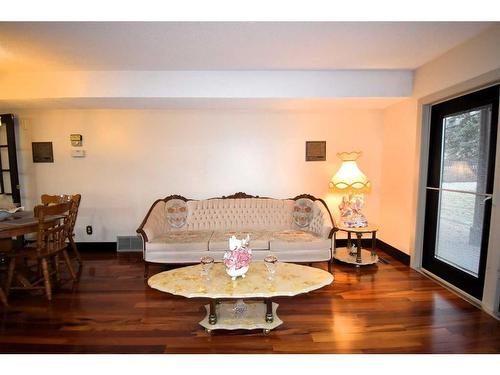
(42, 152)
(315, 150)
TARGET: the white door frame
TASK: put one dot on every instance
(491, 294)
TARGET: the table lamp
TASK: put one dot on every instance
(353, 183)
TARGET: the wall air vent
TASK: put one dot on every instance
(128, 243)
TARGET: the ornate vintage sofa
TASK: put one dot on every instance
(177, 230)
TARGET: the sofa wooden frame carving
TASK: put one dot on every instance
(238, 195)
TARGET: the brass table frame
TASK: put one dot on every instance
(212, 318)
(359, 232)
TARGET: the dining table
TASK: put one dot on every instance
(17, 225)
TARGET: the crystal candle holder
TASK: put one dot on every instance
(271, 261)
(206, 265)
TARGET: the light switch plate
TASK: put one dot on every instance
(78, 153)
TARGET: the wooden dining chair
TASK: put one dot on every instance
(5, 245)
(50, 243)
(76, 198)
(3, 297)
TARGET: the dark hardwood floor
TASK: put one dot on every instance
(375, 309)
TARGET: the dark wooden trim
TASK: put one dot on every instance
(463, 280)
(176, 196)
(385, 247)
(10, 123)
(393, 252)
(342, 242)
(12, 151)
(96, 246)
(238, 195)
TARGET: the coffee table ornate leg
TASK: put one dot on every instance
(358, 250)
(212, 317)
(269, 311)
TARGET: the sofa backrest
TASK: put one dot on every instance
(244, 213)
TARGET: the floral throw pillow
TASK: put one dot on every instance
(176, 213)
(303, 212)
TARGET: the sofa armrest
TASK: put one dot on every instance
(322, 223)
(326, 231)
(154, 224)
(320, 229)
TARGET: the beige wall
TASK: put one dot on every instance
(399, 176)
(477, 56)
(136, 156)
(402, 129)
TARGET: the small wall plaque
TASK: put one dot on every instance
(315, 150)
(42, 152)
(76, 140)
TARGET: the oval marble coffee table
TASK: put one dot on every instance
(289, 280)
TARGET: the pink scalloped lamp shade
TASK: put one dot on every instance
(349, 178)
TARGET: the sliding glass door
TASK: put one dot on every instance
(460, 187)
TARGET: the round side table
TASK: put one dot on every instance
(361, 257)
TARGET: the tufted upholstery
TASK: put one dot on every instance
(210, 222)
(221, 214)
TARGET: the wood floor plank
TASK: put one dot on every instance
(387, 308)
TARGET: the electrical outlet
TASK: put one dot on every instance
(89, 229)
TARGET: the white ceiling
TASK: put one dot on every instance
(227, 46)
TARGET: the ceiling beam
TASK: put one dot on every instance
(206, 84)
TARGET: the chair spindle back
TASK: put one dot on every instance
(55, 199)
(51, 235)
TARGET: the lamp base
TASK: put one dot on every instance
(355, 222)
(350, 211)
